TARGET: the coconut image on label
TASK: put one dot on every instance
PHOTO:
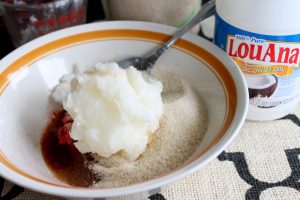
(261, 86)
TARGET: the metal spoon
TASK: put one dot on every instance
(140, 63)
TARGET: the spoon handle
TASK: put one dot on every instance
(206, 11)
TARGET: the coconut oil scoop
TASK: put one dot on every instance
(147, 63)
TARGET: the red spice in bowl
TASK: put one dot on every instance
(61, 155)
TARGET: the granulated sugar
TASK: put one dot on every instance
(181, 129)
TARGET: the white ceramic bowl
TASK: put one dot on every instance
(29, 73)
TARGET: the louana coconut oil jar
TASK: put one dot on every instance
(263, 38)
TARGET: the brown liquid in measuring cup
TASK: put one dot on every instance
(64, 160)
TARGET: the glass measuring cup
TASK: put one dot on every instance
(28, 19)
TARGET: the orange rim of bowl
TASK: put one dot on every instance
(210, 61)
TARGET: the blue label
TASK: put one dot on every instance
(223, 29)
(270, 63)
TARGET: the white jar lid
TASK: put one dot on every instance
(271, 17)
